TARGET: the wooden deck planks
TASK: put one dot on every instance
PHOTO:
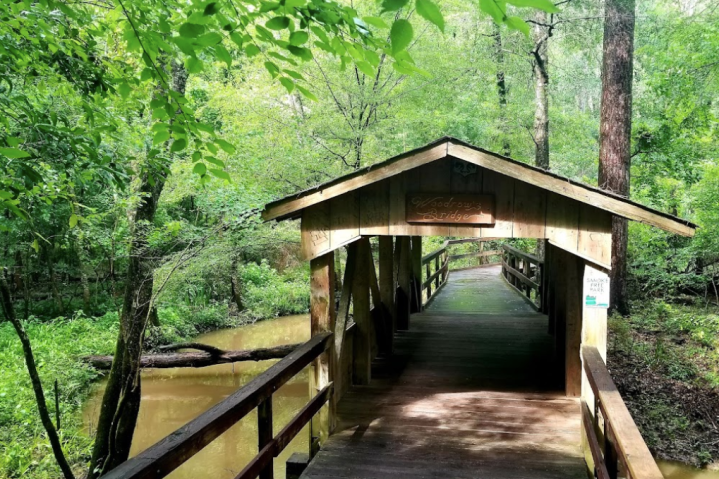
(470, 393)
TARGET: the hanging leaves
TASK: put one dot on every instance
(14, 153)
(400, 35)
(430, 12)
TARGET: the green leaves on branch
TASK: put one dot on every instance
(400, 35)
(430, 12)
(278, 23)
(393, 5)
(516, 23)
(14, 153)
(497, 9)
(427, 9)
(545, 5)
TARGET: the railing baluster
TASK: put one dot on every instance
(610, 451)
(264, 433)
(436, 268)
(625, 453)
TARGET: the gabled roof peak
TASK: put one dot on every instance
(444, 147)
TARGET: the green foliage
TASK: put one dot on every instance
(679, 341)
(181, 322)
(58, 346)
(268, 294)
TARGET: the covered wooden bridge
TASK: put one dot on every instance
(495, 371)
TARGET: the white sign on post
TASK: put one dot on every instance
(596, 289)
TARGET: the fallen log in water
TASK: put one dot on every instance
(198, 359)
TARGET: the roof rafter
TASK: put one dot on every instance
(290, 206)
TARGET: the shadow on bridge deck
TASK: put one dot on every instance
(470, 393)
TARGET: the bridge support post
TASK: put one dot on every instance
(387, 288)
(362, 364)
(416, 282)
(322, 319)
(574, 317)
(404, 278)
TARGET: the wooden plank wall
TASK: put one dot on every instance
(521, 211)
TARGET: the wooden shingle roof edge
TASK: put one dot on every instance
(291, 206)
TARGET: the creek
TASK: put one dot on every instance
(173, 397)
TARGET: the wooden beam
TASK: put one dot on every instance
(341, 380)
(628, 439)
(169, 453)
(361, 309)
(564, 187)
(277, 444)
(559, 310)
(387, 288)
(378, 313)
(415, 287)
(322, 320)
(356, 180)
(404, 278)
(265, 434)
(574, 273)
(454, 257)
(600, 469)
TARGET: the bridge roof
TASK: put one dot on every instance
(292, 205)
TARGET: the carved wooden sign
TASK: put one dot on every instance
(450, 209)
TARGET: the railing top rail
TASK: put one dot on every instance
(630, 444)
(172, 451)
(443, 248)
(470, 240)
(518, 252)
(434, 254)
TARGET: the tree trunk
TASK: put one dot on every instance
(47, 423)
(121, 401)
(235, 283)
(540, 36)
(53, 279)
(82, 261)
(501, 90)
(198, 360)
(26, 286)
(615, 132)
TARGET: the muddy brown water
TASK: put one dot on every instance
(173, 397)
(677, 470)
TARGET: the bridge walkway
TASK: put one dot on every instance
(471, 392)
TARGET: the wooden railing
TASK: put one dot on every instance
(524, 272)
(616, 445)
(436, 265)
(169, 453)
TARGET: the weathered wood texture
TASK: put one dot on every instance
(322, 320)
(627, 444)
(169, 453)
(415, 288)
(521, 210)
(387, 287)
(466, 168)
(472, 392)
(404, 280)
(525, 272)
(361, 310)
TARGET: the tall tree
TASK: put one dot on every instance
(121, 400)
(501, 89)
(615, 131)
(541, 32)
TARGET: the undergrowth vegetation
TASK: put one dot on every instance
(183, 312)
(665, 360)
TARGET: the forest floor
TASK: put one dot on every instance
(665, 361)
